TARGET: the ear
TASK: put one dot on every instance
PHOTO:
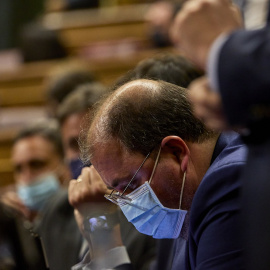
(178, 148)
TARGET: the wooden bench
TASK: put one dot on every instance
(22, 90)
(79, 28)
(23, 86)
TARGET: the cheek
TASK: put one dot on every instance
(167, 186)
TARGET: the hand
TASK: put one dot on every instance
(199, 23)
(11, 200)
(100, 239)
(89, 187)
(86, 195)
(207, 105)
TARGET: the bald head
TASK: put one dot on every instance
(140, 114)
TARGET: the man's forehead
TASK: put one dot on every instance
(112, 162)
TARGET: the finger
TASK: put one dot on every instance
(97, 181)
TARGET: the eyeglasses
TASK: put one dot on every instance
(117, 197)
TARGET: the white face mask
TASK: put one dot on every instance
(144, 210)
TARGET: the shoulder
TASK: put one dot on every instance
(221, 185)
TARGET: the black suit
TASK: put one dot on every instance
(244, 83)
(60, 233)
(63, 241)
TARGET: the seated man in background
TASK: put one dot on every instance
(39, 173)
(171, 177)
(168, 67)
(39, 168)
(58, 224)
(63, 79)
(71, 113)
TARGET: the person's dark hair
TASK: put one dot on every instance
(82, 99)
(167, 67)
(142, 116)
(60, 87)
(47, 129)
(38, 43)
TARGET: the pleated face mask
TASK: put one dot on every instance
(144, 210)
(36, 194)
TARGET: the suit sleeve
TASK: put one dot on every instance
(243, 76)
(215, 237)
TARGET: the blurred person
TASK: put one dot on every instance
(39, 168)
(20, 248)
(254, 12)
(71, 114)
(171, 68)
(171, 177)
(236, 60)
(37, 43)
(58, 223)
(39, 172)
(159, 18)
(62, 80)
(168, 67)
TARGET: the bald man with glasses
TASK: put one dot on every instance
(170, 176)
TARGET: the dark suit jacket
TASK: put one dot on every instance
(215, 229)
(243, 75)
(60, 234)
(215, 222)
(244, 81)
(63, 241)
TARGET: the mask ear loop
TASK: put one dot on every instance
(182, 190)
(156, 162)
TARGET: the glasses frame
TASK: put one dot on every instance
(115, 197)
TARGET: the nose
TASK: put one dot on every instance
(26, 175)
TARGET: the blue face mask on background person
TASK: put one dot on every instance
(36, 194)
(76, 166)
(144, 210)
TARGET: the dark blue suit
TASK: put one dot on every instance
(214, 233)
(243, 75)
(215, 229)
(244, 82)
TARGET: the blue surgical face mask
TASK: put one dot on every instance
(144, 210)
(76, 166)
(36, 194)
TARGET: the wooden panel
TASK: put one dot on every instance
(19, 95)
(75, 39)
(23, 86)
(79, 28)
(6, 175)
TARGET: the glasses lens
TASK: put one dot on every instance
(117, 198)
(111, 198)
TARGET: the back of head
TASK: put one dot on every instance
(167, 67)
(64, 79)
(143, 112)
(47, 129)
(82, 99)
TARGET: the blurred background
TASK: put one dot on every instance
(41, 38)
(45, 41)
